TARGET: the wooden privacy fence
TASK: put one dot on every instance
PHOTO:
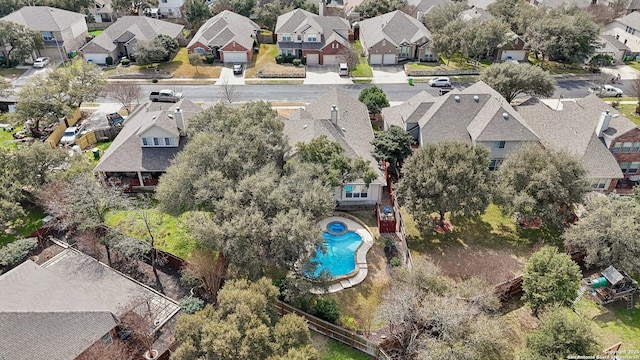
(71, 119)
(87, 140)
(335, 332)
(401, 233)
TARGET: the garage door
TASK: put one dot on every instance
(389, 59)
(330, 59)
(375, 59)
(520, 55)
(313, 59)
(235, 57)
(95, 58)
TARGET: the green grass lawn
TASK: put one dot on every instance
(170, 232)
(633, 64)
(103, 146)
(613, 323)
(24, 226)
(554, 67)
(330, 349)
(362, 69)
(629, 111)
(6, 139)
(95, 32)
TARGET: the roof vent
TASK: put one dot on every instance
(157, 322)
(343, 129)
(457, 98)
(476, 98)
(305, 126)
(505, 116)
(170, 116)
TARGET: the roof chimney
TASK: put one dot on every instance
(603, 123)
(321, 8)
(419, 16)
(334, 115)
(179, 119)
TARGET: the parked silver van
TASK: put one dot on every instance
(343, 69)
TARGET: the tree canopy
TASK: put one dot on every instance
(197, 12)
(160, 49)
(374, 98)
(393, 146)
(609, 233)
(511, 80)
(374, 8)
(550, 278)
(21, 41)
(538, 183)
(560, 335)
(446, 177)
(243, 326)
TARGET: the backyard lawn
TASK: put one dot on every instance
(23, 227)
(170, 232)
(330, 349)
(103, 146)
(6, 139)
(362, 69)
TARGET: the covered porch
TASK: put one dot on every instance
(132, 181)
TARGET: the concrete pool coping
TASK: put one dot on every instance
(360, 273)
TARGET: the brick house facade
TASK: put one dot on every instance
(626, 150)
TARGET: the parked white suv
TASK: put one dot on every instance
(71, 135)
(440, 82)
(41, 62)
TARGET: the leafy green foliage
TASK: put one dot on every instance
(266, 12)
(374, 8)
(538, 183)
(438, 17)
(191, 305)
(511, 80)
(560, 335)
(337, 169)
(550, 278)
(600, 61)
(374, 98)
(196, 59)
(392, 146)
(16, 252)
(608, 233)
(327, 309)
(446, 177)
(242, 326)
(20, 40)
(197, 12)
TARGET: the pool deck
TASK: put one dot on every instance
(361, 271)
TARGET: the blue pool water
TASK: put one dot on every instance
(336, 227)
(339, 258)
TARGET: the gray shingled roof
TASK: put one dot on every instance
(396, 27)
(617, 44)
(632, 20)
(44, 18)
(299, 21)
(480, 4)
(143, 28)
(572, 129)
(126, 153)
(426, 5)
(353, 133)
(225, 27)
(581, 4)
(476, 13)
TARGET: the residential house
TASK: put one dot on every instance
(511, 49)
(63, 31)
(612, 47)
(477, 115)
(345, 120)
(102, 12)
(121, 37)
(150, 138)
(170, 9)
(626, 30)
(229, 37)
(629, 5)
(61, 308)
(580, 4)
(318, 38)
(607, 143)
(394, 37)
(423, 7)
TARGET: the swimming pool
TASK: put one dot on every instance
(339, 258)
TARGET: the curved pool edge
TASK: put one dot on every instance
(360, 273)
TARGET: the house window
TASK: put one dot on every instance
(636, 147)
(312, 37)
(169, 141)
(164, 1)
(495, 164)
(599, 183)
(299, 37)
(355, 191)
(626, 146)
(286, 37)
(335, 45)
(498, 145)
(199, 50)
(156, 141)
(630, 30)
(107, 339)
(47, 35)
(405, 51)
(616, 147)
(146, 142)
(624, 166)
(286, 52)
(633, 168)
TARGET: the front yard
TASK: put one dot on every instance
(362, 69)
(264, 64)
(179, 67)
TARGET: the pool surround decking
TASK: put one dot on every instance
(360, 272)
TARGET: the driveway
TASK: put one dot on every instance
(324, 74)
(227, 77)
(388, 74)
(22, 80)
(626, 72)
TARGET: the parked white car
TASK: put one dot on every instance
(606, 91)
(41, 62)
(71, 135)
(440, 82)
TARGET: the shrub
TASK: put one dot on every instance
(304, 60)
(208, 59)
(191, 305)
(16, 252)
(109, 60)
(327, 309)
(279, 59)
(395, 261)
(296, 62)
(348, 323)
(125, 61)
(154, 81)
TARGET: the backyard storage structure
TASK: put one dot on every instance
(612, 285)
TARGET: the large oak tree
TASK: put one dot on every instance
(511, 80)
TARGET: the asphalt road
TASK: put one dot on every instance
(308, 93)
